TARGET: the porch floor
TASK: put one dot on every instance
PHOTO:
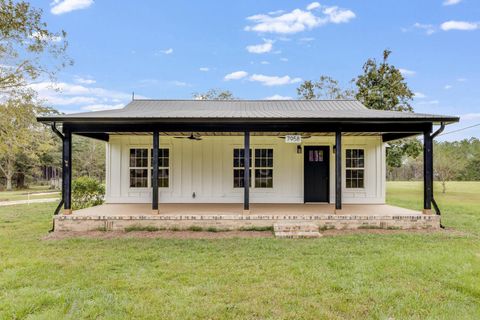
(263, 209)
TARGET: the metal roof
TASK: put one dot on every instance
(327, 110)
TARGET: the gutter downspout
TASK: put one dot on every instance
(435, 206)
(57, 210)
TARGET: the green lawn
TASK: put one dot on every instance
(396, 276)
(34, 192)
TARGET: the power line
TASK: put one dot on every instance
(461, 129)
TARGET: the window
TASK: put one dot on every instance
(141, 168)
(239, 168)
(138, 168)
(163, 167)
(263, 168)
(355, 168)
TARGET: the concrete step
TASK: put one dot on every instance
(295, 230)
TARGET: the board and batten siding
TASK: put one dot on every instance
(206, 168)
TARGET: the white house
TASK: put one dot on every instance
(163, 152)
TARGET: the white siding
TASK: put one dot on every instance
(206, 168)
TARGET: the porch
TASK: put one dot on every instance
(231, 216)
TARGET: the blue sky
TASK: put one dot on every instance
(263, 49)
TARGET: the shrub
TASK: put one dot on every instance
(86, 192)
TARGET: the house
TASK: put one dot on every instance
(321, 160)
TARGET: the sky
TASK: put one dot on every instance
(263, 50)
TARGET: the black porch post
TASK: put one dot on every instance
(156, 144)
(67, 171)
(338, 170)
(246, 172)
(427, 172)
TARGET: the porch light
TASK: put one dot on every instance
(299, 149)
(334, 149)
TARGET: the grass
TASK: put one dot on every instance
(358, 276)
(34, 192)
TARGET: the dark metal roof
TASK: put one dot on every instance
(321, 110)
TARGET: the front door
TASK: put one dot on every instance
(316, 164)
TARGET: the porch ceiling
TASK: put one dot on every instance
(240, 134)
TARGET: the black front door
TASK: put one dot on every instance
(316, 160)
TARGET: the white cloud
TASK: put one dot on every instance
(64, 94)
(313, 5)
(167, 51)
(261, 48)
(237, 75)
(462, 79)
(459, 25)
(306, 39)
(406, 72)
(102, 107)
(448, 87)
(298, 20)
(179, 83)
(273, 80)
(60, 7)
(278, 97)
(429, 29)
(284, 59)
(451, 2)
(204, 69)
(81, 80)
(419, 95)
(264, 62)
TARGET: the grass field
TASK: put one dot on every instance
(35, 192)
(357, 276)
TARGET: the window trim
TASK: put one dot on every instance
(252, 168)
(149, 167)
(355, 147)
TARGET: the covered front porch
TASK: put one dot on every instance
(232, 217)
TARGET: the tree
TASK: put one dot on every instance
(325, 88)
(27, 46)
(89, 158)
(214, 94)
(383, 87)
(21, 136)
(447, 162)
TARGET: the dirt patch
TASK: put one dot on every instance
(164, 234)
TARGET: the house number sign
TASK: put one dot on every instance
(293, 138)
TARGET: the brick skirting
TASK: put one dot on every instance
(233, 222)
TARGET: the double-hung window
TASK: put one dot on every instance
(355, 168)
(141, 171)
(262, 161)
(139, 168)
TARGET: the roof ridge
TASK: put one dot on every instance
(243, 100)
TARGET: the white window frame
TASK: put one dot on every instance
(149, 167)
(253, 167)
(356, 168)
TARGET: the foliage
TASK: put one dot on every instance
(448, 162)
(88, 158)
(214, 94)
(87, 192)
(325, 88)
(398, 150)
(382, 86)
(23, 141)
(27, 47)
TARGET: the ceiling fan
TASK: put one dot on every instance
(192, 136)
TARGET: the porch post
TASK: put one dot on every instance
(156, 144)
(338, 171)
(427, 172)
(246, 173)
(67, 171)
